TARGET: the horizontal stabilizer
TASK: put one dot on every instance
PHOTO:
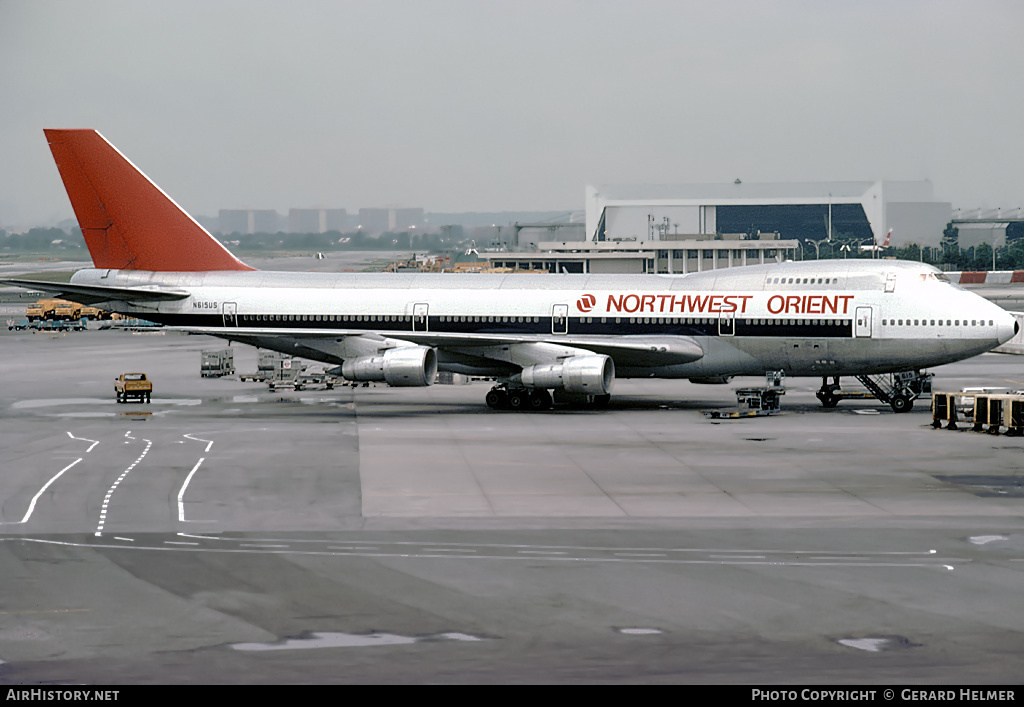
(92, 294)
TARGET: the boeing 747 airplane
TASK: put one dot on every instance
(572, 334)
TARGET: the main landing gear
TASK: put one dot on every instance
(520, 399)
(828, 393)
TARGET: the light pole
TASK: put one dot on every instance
(845, 248)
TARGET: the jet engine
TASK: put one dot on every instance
(402, 367)
(577, 374)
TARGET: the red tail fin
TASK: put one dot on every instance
(127, 221)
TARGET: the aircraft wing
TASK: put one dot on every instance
(93, 294)
(638, 350)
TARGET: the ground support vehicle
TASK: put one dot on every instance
(133, 385)
(217, 363)
(898, 390)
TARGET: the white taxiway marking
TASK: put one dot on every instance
(640, 631)
(32, 503)
(178, 542)
(196, 439)
(985, 539)
(748, 557)
(332, 639)
(181, 494)
(83, 439)
(865, 644)
(110, 491)
(529, 556)
(640, 554)
(259, 545)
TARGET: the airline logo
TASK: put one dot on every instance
(727, 303)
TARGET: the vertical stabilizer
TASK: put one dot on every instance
(127, 221)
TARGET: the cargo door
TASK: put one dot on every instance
(807, 356)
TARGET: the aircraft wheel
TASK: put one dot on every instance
(517, 400)
(828, 400)
(496, 399)
(901, 403)
(539, 399)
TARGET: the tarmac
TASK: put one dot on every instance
(227, 534)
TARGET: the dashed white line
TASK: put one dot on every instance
(110, 491)
(445, 549)
(178, 542)
(739, 557)
(640, 554)
(540, 552)
(258, 545)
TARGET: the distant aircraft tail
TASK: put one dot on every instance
(127, 221)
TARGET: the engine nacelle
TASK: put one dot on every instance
(578, 374)
(401, 367)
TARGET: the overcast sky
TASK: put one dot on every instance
(477, 105)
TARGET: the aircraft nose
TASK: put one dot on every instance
(1009, 327)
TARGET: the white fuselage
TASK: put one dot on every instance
(806, 318)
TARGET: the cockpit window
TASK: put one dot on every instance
(933, 276)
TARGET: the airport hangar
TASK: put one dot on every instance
(665, 228)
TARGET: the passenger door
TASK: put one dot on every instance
(727, 324)
(560, 319)
(230, 313)
(862, 324)
(420, 316)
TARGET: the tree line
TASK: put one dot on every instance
(50, 240)
(948, 255)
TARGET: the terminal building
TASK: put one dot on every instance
(796, 211)
(695, 227)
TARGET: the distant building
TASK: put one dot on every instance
(864, 210)
(677, 255)
(388, 219)
(316, 220)
(248, 221)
